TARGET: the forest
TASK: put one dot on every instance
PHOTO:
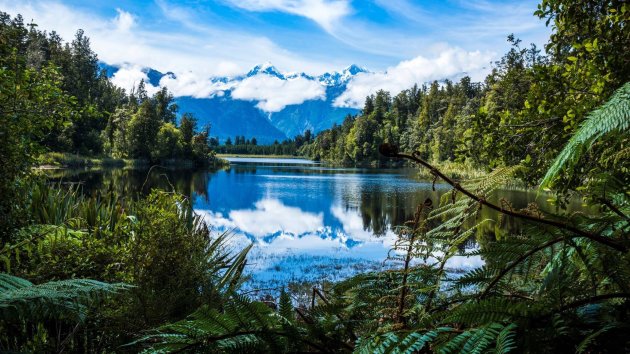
(93, 117)
(105, 272)
(240, 145)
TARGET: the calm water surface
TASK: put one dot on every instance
(308, 222)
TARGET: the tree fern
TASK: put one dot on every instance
(505, 341)
(241, 325)
(22, 300)
(399, 343)
(614, 115)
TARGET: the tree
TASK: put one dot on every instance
(201, 149)
(143, 129)
(165, 106)
(187, 126)
(168, 143)
(32, 102)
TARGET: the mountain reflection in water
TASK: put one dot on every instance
(308, 222)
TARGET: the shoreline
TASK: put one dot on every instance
(57, 160)
(262, 156)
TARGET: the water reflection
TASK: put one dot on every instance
(308, 222)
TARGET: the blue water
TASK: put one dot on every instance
(314, 223)
(308, 222)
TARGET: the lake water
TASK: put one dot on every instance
(309, 222)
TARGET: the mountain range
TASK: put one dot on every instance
(229, 116)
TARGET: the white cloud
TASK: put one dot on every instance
(271, 216)
(449, 63)
(324, 12)
(180, 44)
(352, 225)
(129, 76)
(190, 84)
(273, 94)
(124, 21)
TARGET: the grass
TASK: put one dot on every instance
(455, 170)
(66, 160)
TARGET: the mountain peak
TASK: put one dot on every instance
(265, 68)
(337, 78)
(354, 69)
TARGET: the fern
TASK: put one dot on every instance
(69, 299)
(588, 341)
(614, 115)
(403, 343)
(491, 338)
(240, 326)
(506, 339)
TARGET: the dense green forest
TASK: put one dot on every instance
(523, 113)
(97, 118)
(240, 145)
(110, 273)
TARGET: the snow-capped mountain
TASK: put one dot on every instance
(260, 103)
(266, 68)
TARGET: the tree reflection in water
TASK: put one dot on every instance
(309, 222)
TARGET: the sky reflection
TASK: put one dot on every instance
(310, 223)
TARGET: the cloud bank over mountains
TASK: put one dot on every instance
(451, 63)
(274, 93)
(273, 90)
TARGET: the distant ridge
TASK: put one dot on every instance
(229, 117)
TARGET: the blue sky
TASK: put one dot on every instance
(227, 37)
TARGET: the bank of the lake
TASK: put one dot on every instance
(72, 161)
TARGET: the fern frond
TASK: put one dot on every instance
(506, 340)
(481, 340)
(489, 310)
(588, 341)
(20, 299)
(614, 115)
(240, 326)
(393, 343)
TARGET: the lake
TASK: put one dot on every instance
(309, 222)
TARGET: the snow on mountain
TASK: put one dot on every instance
(264, 103)
(267, 69)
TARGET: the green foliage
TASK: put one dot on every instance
(611, 117)
(168, 143)
(28, 310)
(158, 245)
(49, 81)
(557, 284)
(242, 145)
(524, 112)
(32, 103)
(240, 326)
(64, 299)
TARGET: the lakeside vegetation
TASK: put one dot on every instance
(242, 146)
(523, 113)
(116, 273)
(67, 160)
